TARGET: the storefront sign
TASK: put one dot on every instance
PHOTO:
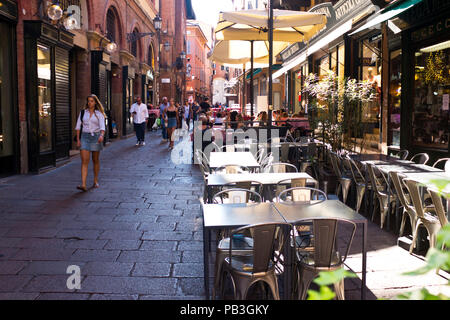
(165, 80)
(440, 27)
(348, 7)
(424, 10)
(291, 51)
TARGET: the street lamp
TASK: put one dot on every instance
(183, 55)
(157, 22)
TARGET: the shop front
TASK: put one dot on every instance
(101, 84)
(128, 77)
(48, 94)
(9, 155)
(425, 93)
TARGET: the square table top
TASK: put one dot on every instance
(220, 159)
(407, 168)
(218, 216)
(293, 212)
(263, 178)
(428, 178)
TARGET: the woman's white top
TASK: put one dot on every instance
(91, 123)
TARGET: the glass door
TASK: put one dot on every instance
(45, 98)
(395, 93)
(7, 123)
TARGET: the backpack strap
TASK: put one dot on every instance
(81, 118)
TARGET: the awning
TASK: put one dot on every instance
(333, 35)
(258, 70)
(388, 13)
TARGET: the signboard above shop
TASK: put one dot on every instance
(336, 15)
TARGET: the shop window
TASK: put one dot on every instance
(395, 91)
(6, 96)
(370, 70)
(431, 97)
(111, 25)
(45, 98)
(341, 61)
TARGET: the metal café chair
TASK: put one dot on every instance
(254, 186)
(382, 196)
(326, 250)
(232, 168)
(272, 192)
(420, 158)
(301, 195)
(405, 201)
(280, 167)
(424, 217)
(256, 265)
(232, 195)
(359, 181)
(402, 154)
(344, 182)
(445, 166)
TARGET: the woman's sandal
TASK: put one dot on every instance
(96, 186)
(84, 189)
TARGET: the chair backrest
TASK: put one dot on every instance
(217, 148)
(445, 163)
(254, 186)
(439, 207)
(335, 164)
(420, 158)
(374, 181)
(203, 162)
(327, 240)
(280, 167)
(301, 195)
(354, 169)
(397, 179)
(267, 238)
(236, 195)
(413, 189)
(228, 148)
(403, 154)
(284, 156)
(288, 184)
(260, 155)
(268, 160)
(232, 168)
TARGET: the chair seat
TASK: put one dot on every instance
(245, 243)
(244, 264)
(430, 217)
(305, 256)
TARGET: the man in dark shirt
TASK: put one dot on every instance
(205, 105)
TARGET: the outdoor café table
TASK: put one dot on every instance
(232, 216)
(266, 179)
(221, 159)
(293, 212)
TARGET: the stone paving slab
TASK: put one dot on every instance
(139, 237)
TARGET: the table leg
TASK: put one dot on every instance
(364, 261)
(206, 239)
(288, 267)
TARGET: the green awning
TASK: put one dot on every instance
(275, 67)
(388, 13)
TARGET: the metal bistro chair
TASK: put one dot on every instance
(323, 252)
(280, 167)
(431, 222)
(301, 195)
(402, 154)
(258, 266)
(420, 158)
(232, 169)
(254, 186)
(344, 182)
(381, 194)
(405, 201)
(359, 181)
(445, 166)
(231, 195)
(308, 156)
(272, 192)
(228, 148)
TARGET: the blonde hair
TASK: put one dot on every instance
(98, 104)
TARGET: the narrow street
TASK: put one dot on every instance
(139, 236)
(136, 237)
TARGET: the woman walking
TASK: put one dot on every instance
(90, 134)
(171, 116)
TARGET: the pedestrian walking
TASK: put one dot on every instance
(171, 116)
(180, 116)
(90, 130)
(205, 105)
(140, 117)
(187, 113)
(162, 108)
(195, 111)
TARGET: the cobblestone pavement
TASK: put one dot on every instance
(138, 236)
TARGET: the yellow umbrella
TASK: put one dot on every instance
(237, 52)
(288, 26)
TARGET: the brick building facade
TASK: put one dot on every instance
(199, 71)
(55, 67)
